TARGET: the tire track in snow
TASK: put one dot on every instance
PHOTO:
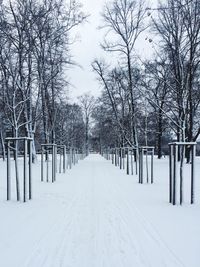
(166, 256)
(116, 237)
(40, 253)
(99, 227)
(63, 248)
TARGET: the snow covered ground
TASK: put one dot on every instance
(97, 216)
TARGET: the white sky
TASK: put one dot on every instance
(87, 48)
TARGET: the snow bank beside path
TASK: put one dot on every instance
(97, 216)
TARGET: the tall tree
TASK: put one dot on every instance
(178, 25)
(125, 19)
(87, 103)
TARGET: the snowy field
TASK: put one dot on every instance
(97, 216)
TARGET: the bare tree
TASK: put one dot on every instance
(87, 103)
(178, 26)
(125, 18)
(157, 75)
(55, 21)
(70, 127)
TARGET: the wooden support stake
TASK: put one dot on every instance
(131, 161)
(53, 164)
(64, 159)
(30, 169)
(56, 162)
(152, 156)
(25, 169)
(112, 157)
(193, 173)
(120, 162)
(8, 172)
(142, 154)
(127, 162)
(42, 164)
(123, 158)
(70, 158)
(60, 162)
(139, 166)
(47, 174)
(174, 175)
(136, 161)
(170, 172)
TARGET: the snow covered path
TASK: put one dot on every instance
(88, 218)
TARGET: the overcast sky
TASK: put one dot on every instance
(87, 48)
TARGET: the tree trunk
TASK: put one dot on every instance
(87, 137)
(16, 167)
(160, 131)
(3, 147)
